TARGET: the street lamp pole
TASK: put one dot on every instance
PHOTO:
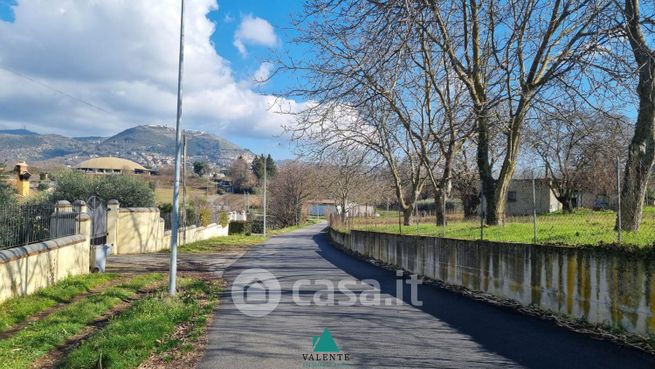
(178, 158)
(265, 205)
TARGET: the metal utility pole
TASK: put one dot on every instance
(265, 205)
(534, 210)
(184, 165)
(618, 198)
(178, 153)
(481, 212)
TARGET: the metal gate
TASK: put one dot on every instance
(98, 213)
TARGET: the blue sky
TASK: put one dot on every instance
(6, 13)
(278, 13)
(230, 104)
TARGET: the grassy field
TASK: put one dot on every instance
(37, 339)
(148, 326)
(164, 195)
(16, 310)
(584, 227)
(220, 244)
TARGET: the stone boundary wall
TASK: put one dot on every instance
(601, 286)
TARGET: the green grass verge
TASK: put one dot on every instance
(147, 327)
(220, 244)
(584, 227)
(234, 241)
(16, 310)
(309, 222)
(37, 339)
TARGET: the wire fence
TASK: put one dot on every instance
(22, 225)
(581, 227)
(532, 215)
(200, 217)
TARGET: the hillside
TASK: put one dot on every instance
(36, 147)
(148, 145)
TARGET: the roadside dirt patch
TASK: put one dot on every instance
(213, 263)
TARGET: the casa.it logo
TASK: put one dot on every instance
(325, 353)
(256, 292)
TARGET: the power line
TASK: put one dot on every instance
(49, 87)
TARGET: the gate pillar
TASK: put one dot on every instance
(84, 223)
(112, 224)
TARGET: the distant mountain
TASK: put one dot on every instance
(17, 132)
(36, 147)
(90, 139)
(148, 145)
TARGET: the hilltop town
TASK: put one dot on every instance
(149, 145)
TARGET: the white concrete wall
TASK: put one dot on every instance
(138, 231)
(597, 285)
(194, 234)
(26, 269)
(141, 230)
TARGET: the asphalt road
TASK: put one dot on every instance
(448, 331)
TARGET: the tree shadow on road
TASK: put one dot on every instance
(526, 340)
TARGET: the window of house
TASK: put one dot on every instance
(511, 196)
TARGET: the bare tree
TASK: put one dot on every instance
(506, 54)
(637, 28)
(575, 146)
(386, 88)
(346, 83)
(431, 105)
(466, 183)
(240, 172)
(294, 184)
(345, 177)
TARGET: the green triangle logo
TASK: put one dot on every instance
(324, 343)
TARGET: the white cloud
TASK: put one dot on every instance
(122, 56)
(263, 73)
(254, 31)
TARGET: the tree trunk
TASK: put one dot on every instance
(407, 216)
(642, 148)
(484, 168)
(502, 188)
(567, 204)
(470, 203)
(440, 207)
(641, 154)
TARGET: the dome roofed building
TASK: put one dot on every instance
(111, 165)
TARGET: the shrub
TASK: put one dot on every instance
(129, 190)
(7, 193)
(204, 216)
(240, 227)
(223, 219)
(73, 186)
(165, 208)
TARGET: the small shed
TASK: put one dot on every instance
(519, 197)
